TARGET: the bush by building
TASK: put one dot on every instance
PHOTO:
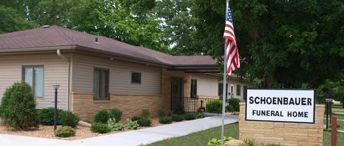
(214, 106)
(18, 107)
(64, 131)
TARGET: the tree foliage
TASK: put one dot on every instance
(285, 43)
(10, 20)
(129, 21)
(178, 26)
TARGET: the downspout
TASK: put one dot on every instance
(58, 53)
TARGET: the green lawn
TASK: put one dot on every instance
(232, 130)
(327, 138)
(340, 136)
(200, 138)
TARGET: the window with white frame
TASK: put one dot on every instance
(34, 76)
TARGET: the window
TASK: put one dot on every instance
(245, 92)
(232, 91)
(220, 91)
(238, 90)
(101, 84)
(34, 76)
(193, 88)
(136, 78)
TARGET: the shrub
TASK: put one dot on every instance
(164, 112)
(233, 105)
(64, 131)
(100, 128)
(131, 125)
(115, 114)
(214, 106)
(136, 118)
(177, 118)
(180, 111)
(250, 142)
(142, 121)
(101, 116)
(165, 119)
(115, 126)
(217, 142)
(190, 116)
(200, 115)
(18, 107)
(46, 116)
(145, 113)
(69, 119)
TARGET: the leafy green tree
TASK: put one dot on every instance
(131, 21)
(128, 21)
(178, 25)
(284, 43)
(44, 12)
(10, 20)
(331, 89)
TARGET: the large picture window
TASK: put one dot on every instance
(193, 88)
(101, 84)
(34, 76)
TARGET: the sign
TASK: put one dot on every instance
(280, 105)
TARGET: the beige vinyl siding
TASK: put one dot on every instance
(120, 76)
(206, 85)
(55, 70)
(234, 85)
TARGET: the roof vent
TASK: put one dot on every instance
(45, 26)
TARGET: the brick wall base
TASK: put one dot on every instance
(286, 134)
(130, 105)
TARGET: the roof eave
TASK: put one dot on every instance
(37, 49)
(121, 57)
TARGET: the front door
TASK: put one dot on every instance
(176, 93)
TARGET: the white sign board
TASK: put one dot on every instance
(280, 105)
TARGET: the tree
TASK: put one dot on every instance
(18, 107)
(284, 43)
(44, 12)
(130, 21)
(127, 21)
(178, 25)
(10, 21)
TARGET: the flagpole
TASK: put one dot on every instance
(224, 92)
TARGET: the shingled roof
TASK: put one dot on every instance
(52, 37)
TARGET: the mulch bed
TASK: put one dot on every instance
(48, 131)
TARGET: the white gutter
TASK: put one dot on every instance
(58, 53)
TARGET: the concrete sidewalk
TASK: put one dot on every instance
(16, 140)
(130, 138)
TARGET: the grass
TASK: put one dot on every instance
(327, 139)
(200, 138)
(340, 122)
(232, 130)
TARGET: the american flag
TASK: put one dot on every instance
(232, 51)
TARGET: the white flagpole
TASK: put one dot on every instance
(224, 86)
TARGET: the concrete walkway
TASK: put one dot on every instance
(130, 138)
